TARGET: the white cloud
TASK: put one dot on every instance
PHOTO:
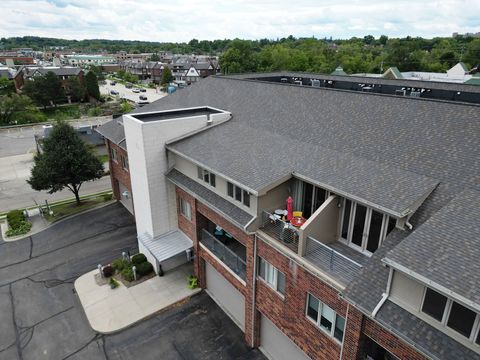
(182, 20)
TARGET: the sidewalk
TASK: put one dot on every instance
(110, 310)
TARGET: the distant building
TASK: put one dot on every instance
(64, 73)
(82, 60)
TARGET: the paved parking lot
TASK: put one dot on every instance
(41, 316)
(151, 94)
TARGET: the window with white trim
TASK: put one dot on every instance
(364, 228)
(124, 161)
(271, 275)
(185, 209)
(325, 317)
(206, 176)
(239, 194)
(113, 154)
(452, 315)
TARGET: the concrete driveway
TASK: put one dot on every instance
(41, 317)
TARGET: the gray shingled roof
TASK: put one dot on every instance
(446, 248)
(64, 71)
(113, 131)
(425, 337)
(233, 213)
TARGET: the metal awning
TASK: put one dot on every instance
(167, 245)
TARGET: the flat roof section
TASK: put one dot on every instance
(176, 114)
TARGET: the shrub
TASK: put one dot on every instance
(108, 270)
(95, 111)
(107, 197)
(119, 264)
(20, 230)
(15, 218)
(127, 274)
(144, 268)
(113, 283)
(138, 258)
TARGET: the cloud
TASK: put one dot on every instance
(182, 20)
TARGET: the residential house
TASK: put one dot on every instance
(380, 261)
(64, 73)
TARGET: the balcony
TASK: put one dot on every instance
(280, 230)
(334, 259)
(229, 251)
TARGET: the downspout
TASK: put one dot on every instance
(385, 295)
(253, 287)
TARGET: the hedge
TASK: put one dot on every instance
(144, 268)
(138, 259)
(17, 223)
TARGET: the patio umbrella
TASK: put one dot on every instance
(289, 208)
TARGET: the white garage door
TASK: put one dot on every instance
(125, 197)
(276, 345)
(225, 295)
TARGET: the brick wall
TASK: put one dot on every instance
(117, 173)
(288, 313)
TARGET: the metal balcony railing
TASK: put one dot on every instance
(226, 255)
(283, 231)
(330, 260)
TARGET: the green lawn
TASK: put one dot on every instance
(64, 210)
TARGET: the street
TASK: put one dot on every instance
(41, 316)
(125, 93)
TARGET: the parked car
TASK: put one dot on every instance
(141, 103)
(143, 90)
(114, 92)
(142, 97)
(136, 90)
(113, 83)
(128, 85)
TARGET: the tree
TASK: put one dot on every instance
(76, 89)
(91, 82)
(13, 104)
(65, 162)
(6, 86)
(167, 76)
(33, 88)
(52, 87)
(154, 57)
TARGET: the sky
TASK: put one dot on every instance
(182, 20)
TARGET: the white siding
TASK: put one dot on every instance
(406, 291)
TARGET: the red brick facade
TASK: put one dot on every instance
(117, 172)
(286, 312)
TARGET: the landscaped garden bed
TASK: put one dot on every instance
(17, 223)
(122, 269)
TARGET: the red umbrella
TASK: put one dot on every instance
(289, 208)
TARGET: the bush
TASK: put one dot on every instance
(127, 274)
(108, 270)
(95, 111)
(144, 268)
(120, 264)
(17, 223)
(107, 197)
(138, 259)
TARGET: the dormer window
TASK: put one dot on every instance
(206, 176)
(452, 314)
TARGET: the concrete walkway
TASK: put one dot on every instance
(110, 310)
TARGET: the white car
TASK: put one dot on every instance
(136, 90)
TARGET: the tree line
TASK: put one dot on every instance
(355, 55)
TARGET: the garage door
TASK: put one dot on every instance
(125, 197)
(276, 345)
(225, 295)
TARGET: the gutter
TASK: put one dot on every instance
(254, 287)
(385, 295)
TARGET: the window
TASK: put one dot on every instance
(124, 160)
(206, 176)
(237, 193)
(113, 153)
(274, 278)
(325, 317)
(185, 209)
(452, 315)
(434, 304)
(364, 228)
(461, 319)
